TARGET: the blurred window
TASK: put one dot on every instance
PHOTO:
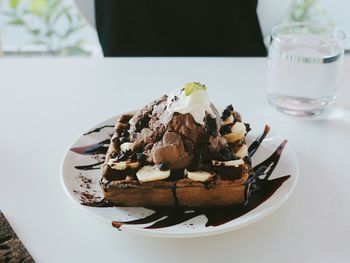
(45, 28)
(57, 28)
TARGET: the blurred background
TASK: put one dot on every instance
(67, 27)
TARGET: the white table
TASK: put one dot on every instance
(45, 104)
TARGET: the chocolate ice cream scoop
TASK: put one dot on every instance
(140, 139)
(143, 117)
(171, 150)
(185, 125)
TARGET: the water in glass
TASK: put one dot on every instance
(303, 73)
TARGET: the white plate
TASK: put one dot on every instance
(83, 185)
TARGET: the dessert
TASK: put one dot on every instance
(178, 150)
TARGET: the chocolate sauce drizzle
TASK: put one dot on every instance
(91, 149)
(98, 129)
(261, 189)
(93, 166)
(255, 145)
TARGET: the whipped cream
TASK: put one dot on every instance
(197, 104)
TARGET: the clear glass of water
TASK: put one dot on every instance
(304, 64)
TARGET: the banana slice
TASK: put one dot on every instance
(126, 146)
(235, 163)
(200, 176)
(242, 152)
(150, 173)
(228, 120)
(238, 131)
(122, 165)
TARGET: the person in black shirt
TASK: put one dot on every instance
(179, 28)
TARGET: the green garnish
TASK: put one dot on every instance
(193, 86)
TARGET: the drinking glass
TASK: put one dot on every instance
(304, 64)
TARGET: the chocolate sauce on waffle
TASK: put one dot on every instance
(98, 129)
(99, 203)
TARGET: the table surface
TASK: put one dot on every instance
(45, 104)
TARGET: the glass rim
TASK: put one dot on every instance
(339, 34)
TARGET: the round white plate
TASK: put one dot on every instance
(83, 185)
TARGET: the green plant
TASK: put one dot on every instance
(50, 23)
(305, 10)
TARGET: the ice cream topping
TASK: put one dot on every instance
(182, 131)
(193, 99)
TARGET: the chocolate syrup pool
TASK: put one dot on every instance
(216, 215)
(260, 190)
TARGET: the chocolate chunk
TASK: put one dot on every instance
(230, 107)
(226, 129)
(194, 164)
(247, 127)
(176, 175)
(227, 156)
(125, 133)
(144, 122)
(122, 157)
(210, 126)
(163, 167)
(141, 157)
(206, 167)
(114, 154)
(114, 174)
(226, 113)
(229, 172)
(123, 139)
(133, 157)
(226, 150)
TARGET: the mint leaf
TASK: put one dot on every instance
(193, 86)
